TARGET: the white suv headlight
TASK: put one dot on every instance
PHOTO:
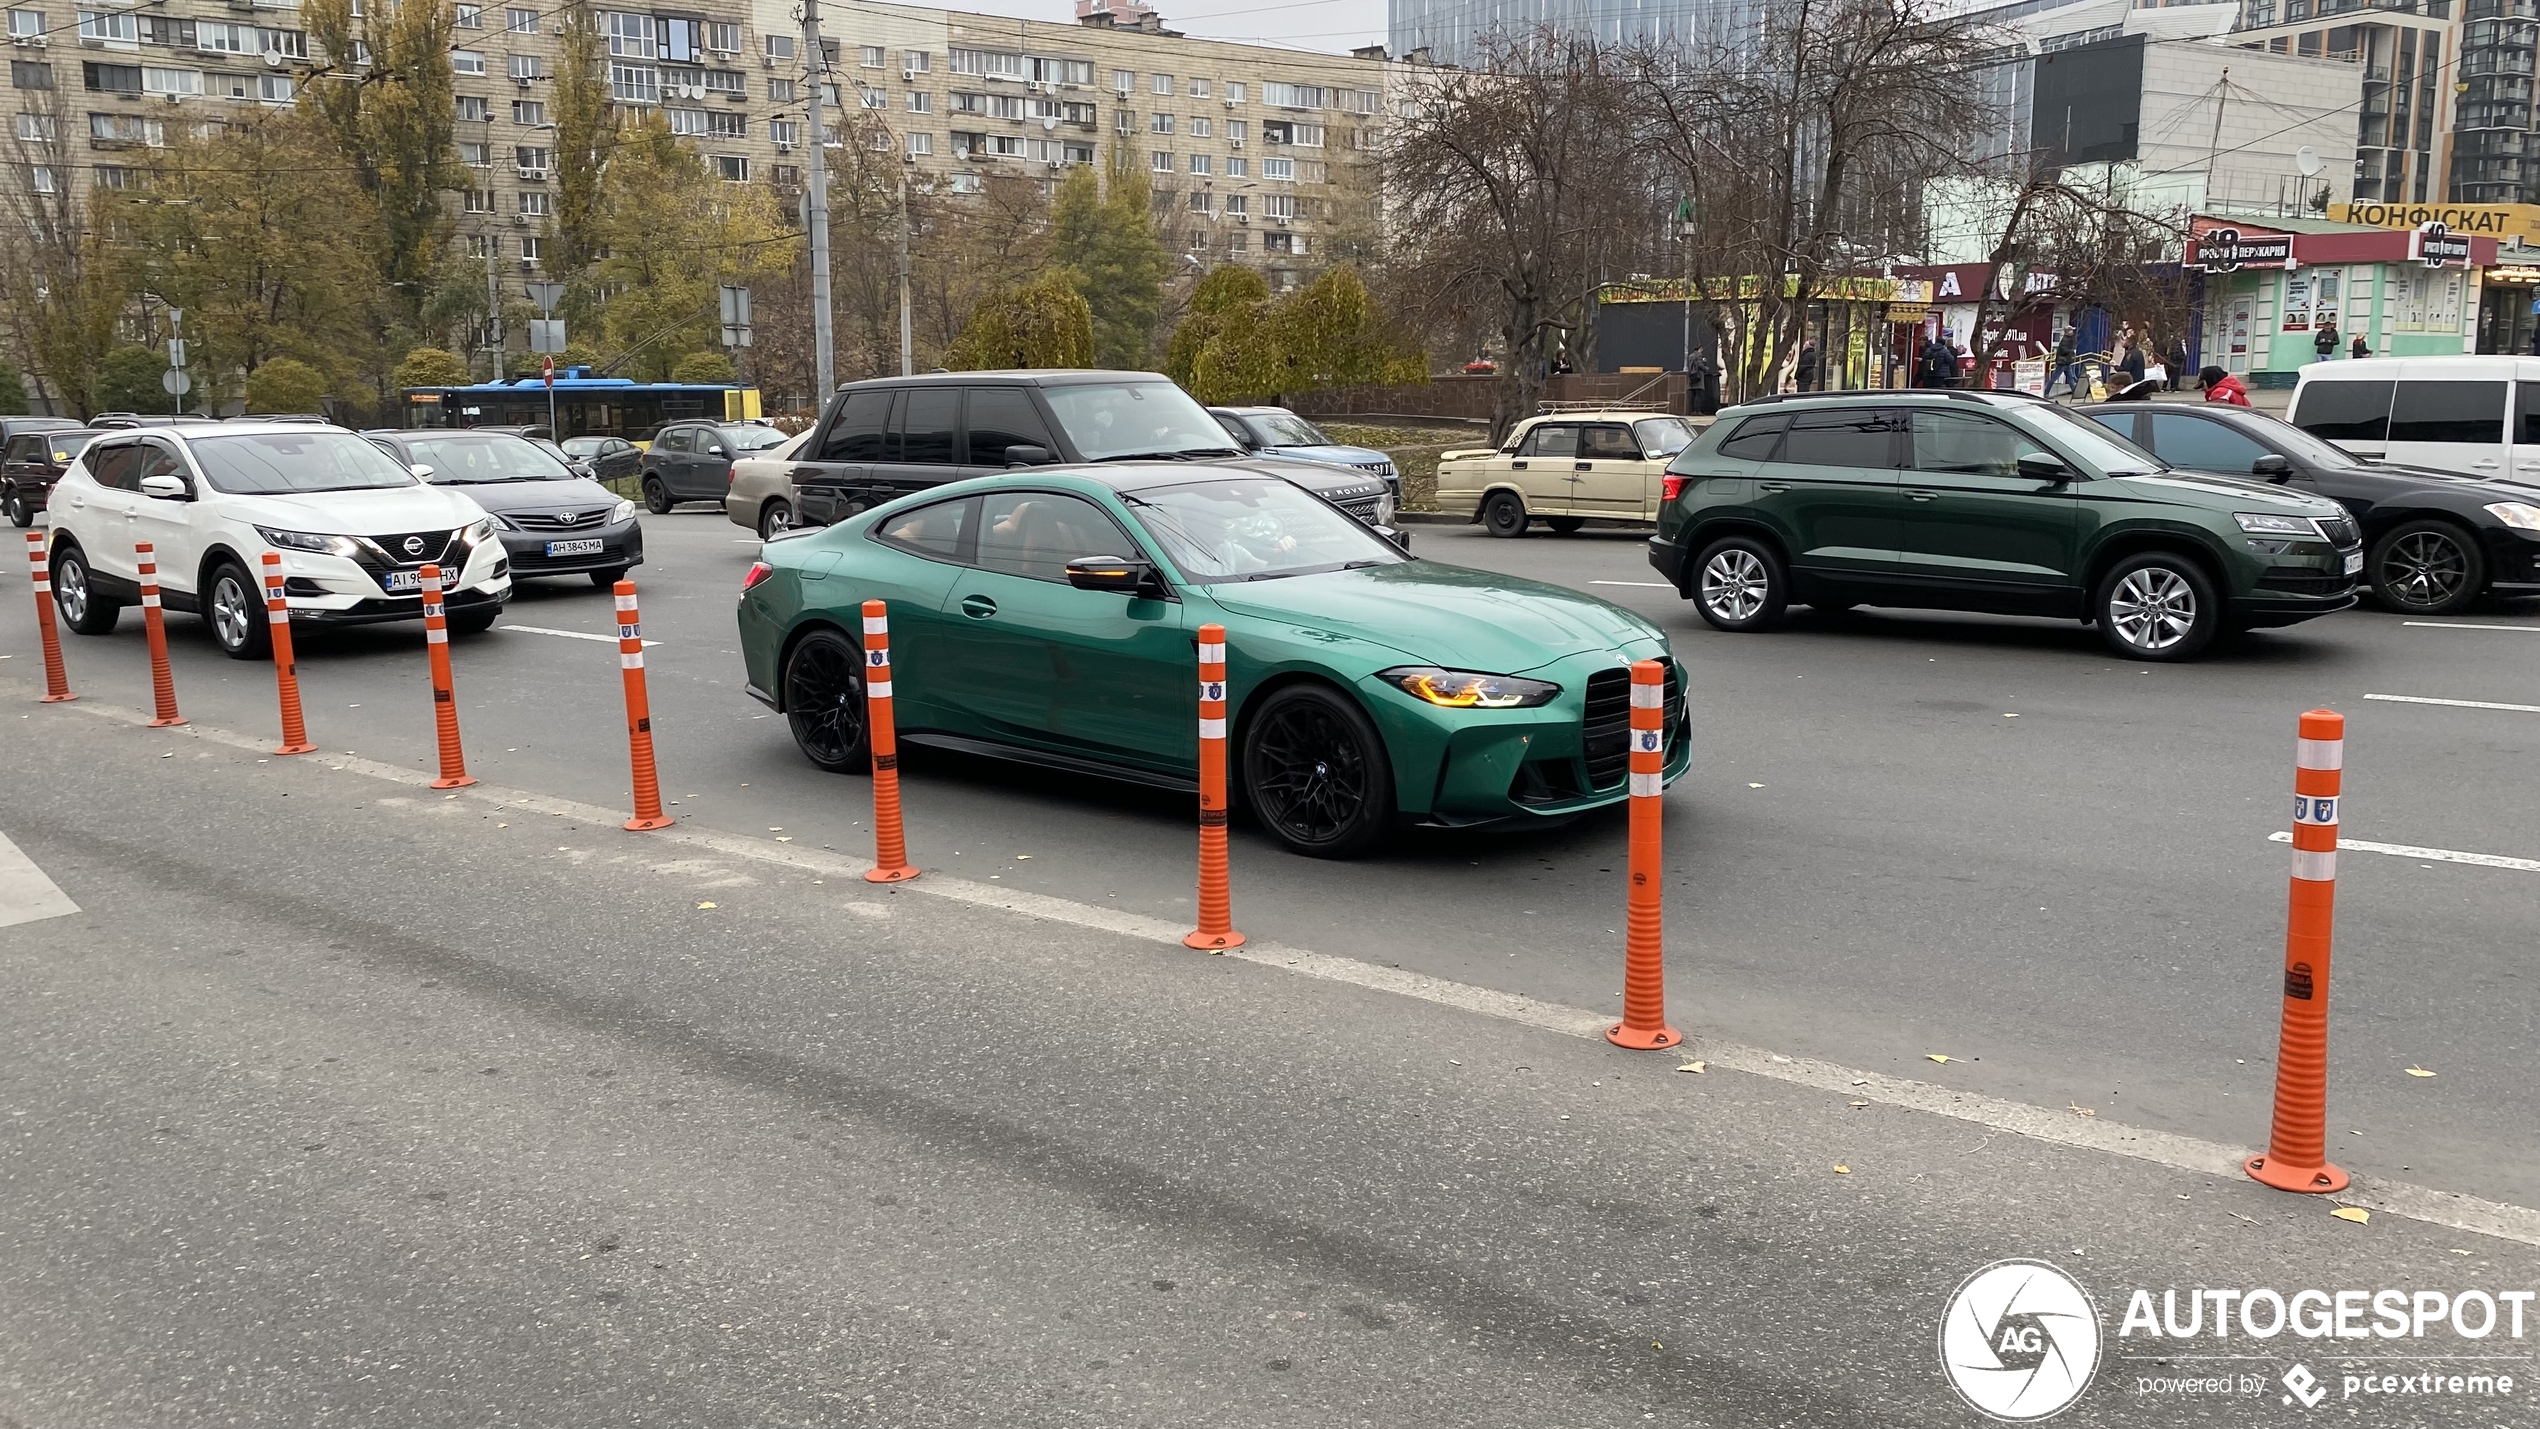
(319, 542)
(478, 532)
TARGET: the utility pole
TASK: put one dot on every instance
(494, 303)
(816, 210)
(2213, 151)
(908, 351)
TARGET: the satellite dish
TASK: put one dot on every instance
(1049, 123)
(2307, 159)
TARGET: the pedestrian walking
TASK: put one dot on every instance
(1809, 366)
(1938, 364)
(2221, 386)
(2324, 342)
(2132, 360)
(2066, 365)
(2176, 357)
(2361, 348)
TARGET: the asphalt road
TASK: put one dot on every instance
(346, 1102)
(1903, 835)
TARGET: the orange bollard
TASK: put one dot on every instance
(1644, 1025)
(1216, 917)
(2297, 1145)
(162, 682)
(57, 685)
(445, 701)
(639, 714)
(890, 838)
(286, 676)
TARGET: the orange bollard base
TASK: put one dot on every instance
(1643, 1039)
(459, 783)
(902, 874)
(638, 825)
(66, 699)
(297, 749)
(1213, 942)
(2321, 1179)
(165, 723)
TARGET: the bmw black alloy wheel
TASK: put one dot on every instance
(1314, 775)
(824, 701)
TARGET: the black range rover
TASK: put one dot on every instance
(883, 439)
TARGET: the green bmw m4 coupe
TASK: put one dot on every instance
(1049, 616)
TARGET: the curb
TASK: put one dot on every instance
(1429, 518)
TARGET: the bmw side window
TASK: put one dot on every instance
(1754, 439)
(2205, 446)
(942, 531)
(1862, 440)
(2448, 412)
(1036, 533)
(2527, 405)
(2345, 411)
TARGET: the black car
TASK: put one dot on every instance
(2434, 542)
(32, 458)
(608, 457)
(553, 522)
(692, 461)
(881, 440)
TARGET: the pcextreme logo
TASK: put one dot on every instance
(2020, 1340)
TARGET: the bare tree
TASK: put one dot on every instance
(58, 281)
(2074, 238)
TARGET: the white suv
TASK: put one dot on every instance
(353, 528)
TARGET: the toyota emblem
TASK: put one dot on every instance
(414, 545)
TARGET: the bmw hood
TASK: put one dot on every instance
(383, 512)
(1450, 615)
(504, 497)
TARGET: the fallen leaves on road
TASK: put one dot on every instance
(2419, 1072)
(1860, 1104)
(2357, 1214)
(1690, 1067)
(1843, 1170)
(2078, 1110)
(1754, 786)
(705, 905)
(1935, 1056)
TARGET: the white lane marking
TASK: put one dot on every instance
(2460, 704)
(2464, 625)
(26, 895)
(2431, 855)
(1652, 585)
(567, 634)
(2185, 1153)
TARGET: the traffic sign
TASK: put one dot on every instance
(545, 295)
(175, 383)
(176, 352)
(547, 370)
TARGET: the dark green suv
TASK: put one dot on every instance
(1987, 501)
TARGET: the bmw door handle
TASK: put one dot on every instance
(978, 607)
(1921, 495)
(1772, 486)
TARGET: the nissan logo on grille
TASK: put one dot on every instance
(414, 545)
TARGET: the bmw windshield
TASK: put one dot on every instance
(1253, 530)
(1117, 421)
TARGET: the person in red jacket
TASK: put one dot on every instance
(2221, 386)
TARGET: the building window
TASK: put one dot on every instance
(480, 201)
(1161, 161)
(1160, 83)
(467, 62)
(1292, 96)
(30, 74)
(1201, 164)
(531, 250)
(114, 176)
(171, 81)
(1199, 200)
(874, 98)
(36, 128)
(484, 245)
(1159, 123)
(520, 22)
(920, 145)
(1199, 89)
(723, 36)
(529, 111)
(473, 153)
(969, 184)
(1237, 131)
(785, 133)
(215, 38)
(1235, 242)
(920, 102)
(532, 158)
(473, 107)
(632, 36)
(111, 79)
(26, 24)
(1122, 81)
(1199, 126)
(724, 124)
(1234, 91)
(1278, 205)
(468, 17)
(1238, 167)
(1123, 122)
(1278, 169)
(112, 27)
(42, 177)
(536, 204)
(1282, 243)
(870, 56)
(634, 84)
(780, 47)
(780, 91)
(687, 123)
(1313, 171)
(732, 168)
(525, 67)
(1238, 203)
(916, 61)
(290, 44)
(727, 81)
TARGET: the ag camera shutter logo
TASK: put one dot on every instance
(2020, 1340)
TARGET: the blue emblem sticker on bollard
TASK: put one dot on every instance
(2308, 809)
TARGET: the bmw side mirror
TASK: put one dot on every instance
(165, 488)
(1027, 454)
(2038, 466)
(2273, 468)
(1126, 574)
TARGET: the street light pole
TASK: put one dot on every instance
(816, 210)
(908, 353)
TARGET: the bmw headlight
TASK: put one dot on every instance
(2265, 523)
(625, 512)
(310, 541)
(1469, 690)
(2521, 515)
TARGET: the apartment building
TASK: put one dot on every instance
(1249, 147)
(2423, 113)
